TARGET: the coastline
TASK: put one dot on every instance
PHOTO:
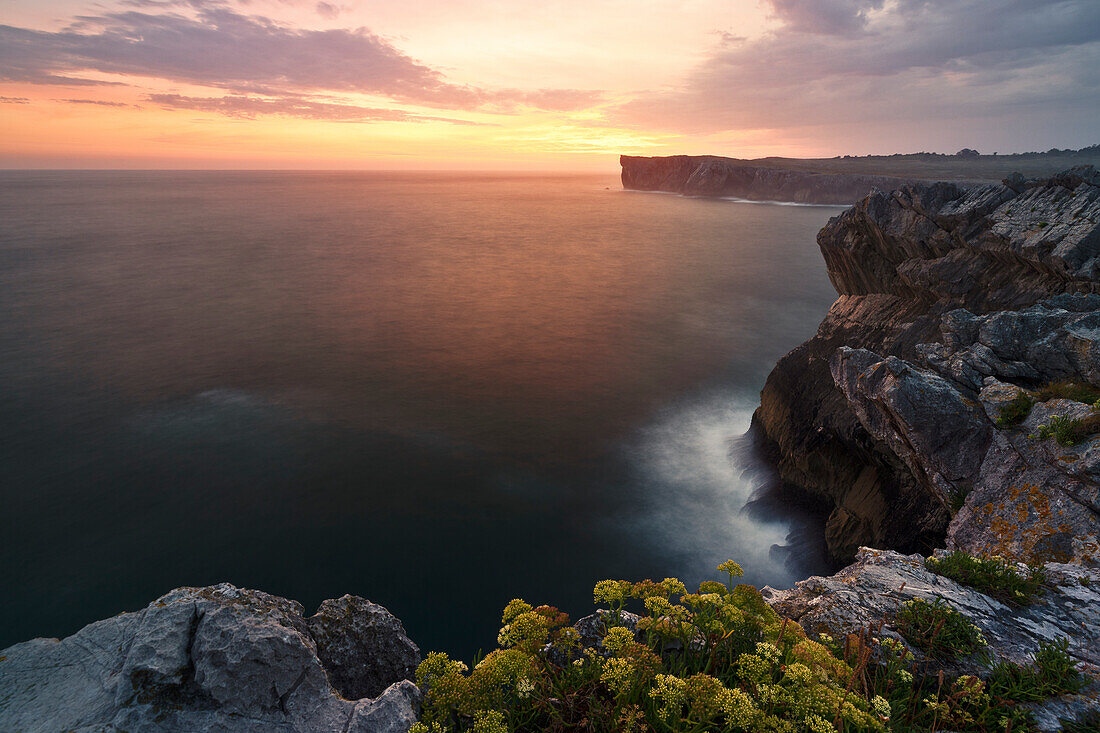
(890, 412)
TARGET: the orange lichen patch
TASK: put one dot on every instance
(1026, 528)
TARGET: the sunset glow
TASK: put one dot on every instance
(506, 85)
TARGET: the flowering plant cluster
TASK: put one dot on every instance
(719, 659)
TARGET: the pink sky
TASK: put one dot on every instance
(507, 84)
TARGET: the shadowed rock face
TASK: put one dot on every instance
(706, 175)
(215, 659)
(944, 291)
(362, 646)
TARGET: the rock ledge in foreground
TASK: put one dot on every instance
(218, 658)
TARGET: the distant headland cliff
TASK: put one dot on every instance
(710, 176)
(840, 180)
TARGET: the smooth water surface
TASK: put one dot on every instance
(438, 391)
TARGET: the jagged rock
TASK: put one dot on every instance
(869, 592)
(948, 287)
(1025, 498)
(362, 645)
(941, 435)
(1034, 500)
(217, 658)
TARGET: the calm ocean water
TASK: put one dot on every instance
(438, 391)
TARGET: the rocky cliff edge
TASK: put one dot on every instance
(218, 658)
(952, 302)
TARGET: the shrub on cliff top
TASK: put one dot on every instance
(716, 660)
(1052, 673)
(993, 576)
(1068, 431)
(1016, 411)
(1068, 390)
(719, 659)
(937, 629)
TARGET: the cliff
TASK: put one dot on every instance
(713, 176)
(951, 301)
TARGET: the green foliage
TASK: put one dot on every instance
(1066, 431)
(1052, 673)
(1060, 428)
(994, 576)
(1068, 390)
(957, 500)
(937, 629)
(1016, 411)
(719, 660)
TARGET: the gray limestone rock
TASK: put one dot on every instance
(362, 645)
(869, 592)
(948, 286)
(940, 434)
(591, 630)
(218, 658)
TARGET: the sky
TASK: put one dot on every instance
(547, 85)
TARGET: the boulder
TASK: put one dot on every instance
(362, 646)
(218, 658)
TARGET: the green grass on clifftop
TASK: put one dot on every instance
(993, 576)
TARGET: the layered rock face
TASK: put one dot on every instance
(706, 175)
(218, 658)
(951, 300)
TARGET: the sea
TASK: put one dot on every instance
(438, 391)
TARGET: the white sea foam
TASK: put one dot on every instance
(697, 480)
(739, 200)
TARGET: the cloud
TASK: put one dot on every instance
(14, 100)
(222, 48)
(98, 102)
(210, 44)
(250, 107)
(834, 62)
(830, 17)
(328, 10)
